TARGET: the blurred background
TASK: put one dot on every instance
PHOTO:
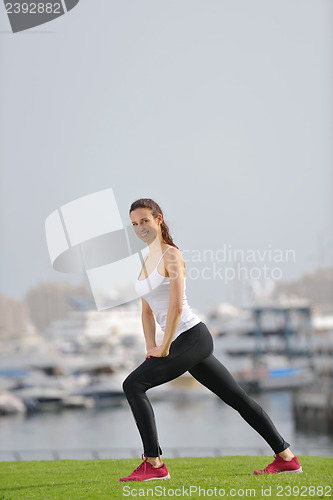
(222, 113)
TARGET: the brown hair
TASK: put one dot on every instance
(155, 210)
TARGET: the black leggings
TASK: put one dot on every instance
(192, 351)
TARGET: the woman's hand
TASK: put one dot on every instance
(157, 352)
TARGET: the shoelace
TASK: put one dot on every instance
(143, 465)
(270, 467)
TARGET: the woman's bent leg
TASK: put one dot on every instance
(187, 350)
(215, 376)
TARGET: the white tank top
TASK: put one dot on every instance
(155, 290)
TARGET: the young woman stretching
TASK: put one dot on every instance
(187, 346)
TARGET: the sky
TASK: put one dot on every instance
(221, 111)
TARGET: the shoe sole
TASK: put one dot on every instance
(148, 479)
(153, 478)
(297, 471)
(291, 471)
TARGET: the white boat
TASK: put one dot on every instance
(10, 404)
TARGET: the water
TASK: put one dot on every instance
(199, 427)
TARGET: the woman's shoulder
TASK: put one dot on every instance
(173, 257)
(171, 250)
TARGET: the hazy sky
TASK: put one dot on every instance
(220, 110)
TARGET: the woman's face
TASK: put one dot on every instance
(145, 225)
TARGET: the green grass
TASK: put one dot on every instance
(98, 479)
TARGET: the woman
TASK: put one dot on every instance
(187, 346)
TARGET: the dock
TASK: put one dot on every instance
(313, 408)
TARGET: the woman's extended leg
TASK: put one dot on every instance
(214, 375)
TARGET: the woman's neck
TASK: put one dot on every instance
(155, 246)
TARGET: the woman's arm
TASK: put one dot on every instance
(148, 324)
(174, 263)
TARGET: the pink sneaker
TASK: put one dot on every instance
(146, 472)
(279, 465)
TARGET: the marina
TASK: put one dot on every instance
(198, 426)
(71, 377)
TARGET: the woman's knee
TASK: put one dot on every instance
(244, 404)
(128, 384)
(237, 399)
(131, 385)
